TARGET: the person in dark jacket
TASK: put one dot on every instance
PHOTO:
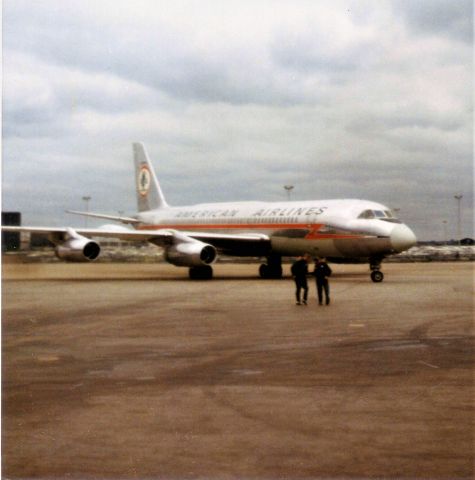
(300, 271)
(322, 271)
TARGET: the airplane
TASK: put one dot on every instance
(193, 236)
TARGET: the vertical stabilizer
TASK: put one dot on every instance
(149, 193)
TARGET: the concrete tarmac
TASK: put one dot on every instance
(134, 371)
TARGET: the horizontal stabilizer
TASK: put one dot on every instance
(106, 217)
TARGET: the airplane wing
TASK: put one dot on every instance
(109, 231)
(226, 243)
(243, 244)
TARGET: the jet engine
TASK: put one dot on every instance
(190, 254)
(77, 249)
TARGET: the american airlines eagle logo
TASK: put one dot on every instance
(144, 180)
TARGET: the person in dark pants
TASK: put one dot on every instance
(300, 271)
(322, 271)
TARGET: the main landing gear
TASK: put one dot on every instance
(201, 273)
(271, 269)
(376, 274)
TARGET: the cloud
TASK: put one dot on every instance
(436, 17)
(235, 99)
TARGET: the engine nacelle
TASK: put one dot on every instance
(190, 254)
(78, 249)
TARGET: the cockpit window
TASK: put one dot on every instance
(387, 215)
(366, 214)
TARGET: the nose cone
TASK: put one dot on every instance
(402, 238)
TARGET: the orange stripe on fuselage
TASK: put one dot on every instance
(233, 226)
(312, 235)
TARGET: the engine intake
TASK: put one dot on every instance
(78, 249)
(190, 254)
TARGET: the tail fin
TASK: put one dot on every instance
(149, 193)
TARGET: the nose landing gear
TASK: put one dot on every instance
(376, 274)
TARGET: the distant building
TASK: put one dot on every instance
(11, 240)
(467, 241)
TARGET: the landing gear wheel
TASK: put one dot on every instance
(264, 271)
(201, 273)
(276, 272)
(267, 271)
(377, 276)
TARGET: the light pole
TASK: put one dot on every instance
(444, 222)
(86, 198)
(459, 216)
(289, 188)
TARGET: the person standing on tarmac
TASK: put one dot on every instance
(300, 271)
(322, 271)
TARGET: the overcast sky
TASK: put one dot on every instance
(235, 99)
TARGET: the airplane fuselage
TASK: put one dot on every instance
(294, 228)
